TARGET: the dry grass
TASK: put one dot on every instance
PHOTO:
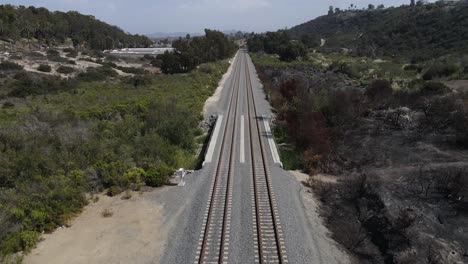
(127, 195)
(107, 213)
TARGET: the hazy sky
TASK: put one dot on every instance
(150, 16)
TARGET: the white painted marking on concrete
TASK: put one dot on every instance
(214, 139)
(242, 141)
(274, 150)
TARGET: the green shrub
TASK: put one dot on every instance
(290, 159)
(292, 51)
(379, 89)
(17, 214)
(112, 58)
(57, 59)
(114, 190)
(154, 179)
(73, 54)
(68, 50)
(206, 68)
(107, 64)
(65, 70)
(439, 70)
(140, 80)
(10, 66)
(97, 53)
(412, 67)
(44, 68)
(28, 240)
(97, 74)
(29, 84)
(8, 105)
(71, 62)
(35, 55)
(133, 178)
(156, 63)
(52, 52)
(432, 88)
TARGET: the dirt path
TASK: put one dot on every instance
(132, 234)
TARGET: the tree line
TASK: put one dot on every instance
(191, 52)
(52, 28)
(278, 43)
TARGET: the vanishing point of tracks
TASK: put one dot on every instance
(267, 234)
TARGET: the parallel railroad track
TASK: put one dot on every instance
(213, 246)
(268, 233)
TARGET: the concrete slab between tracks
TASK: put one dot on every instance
(271, 142)
(213, 141)
(242, 141)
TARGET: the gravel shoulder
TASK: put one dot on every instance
(330, 250)
(132, 234)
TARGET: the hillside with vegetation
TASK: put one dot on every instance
(419, 30)
(41, 26)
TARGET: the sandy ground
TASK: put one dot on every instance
(211, 102)
(31, 65)
(136, 224)
(458, 85)
(329, 249)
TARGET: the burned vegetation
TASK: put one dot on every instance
(388, 166)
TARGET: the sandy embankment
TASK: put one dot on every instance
(211, 103)
(133, 234)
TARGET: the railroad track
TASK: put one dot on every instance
(267, 230)
(213, 246)
(267, 233)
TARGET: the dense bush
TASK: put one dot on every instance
(44, 68)
(10, 66)
(65, 70)
(57, 59)
(30, 84)
(97, 74)
(52, 52)
(98, 136)
(439, 70)
(379, 90)
(412, 67)
(7, 105)
(140, 80)
(157, 62)
(35, 55)
(155, 178)
(434, 88)
(292, 51)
